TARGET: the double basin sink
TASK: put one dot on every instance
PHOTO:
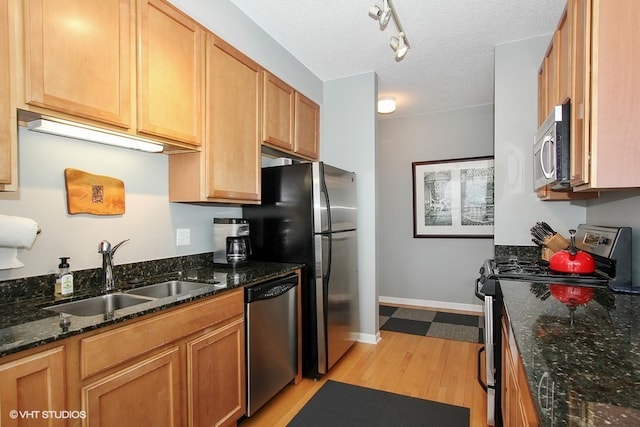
(108, 303)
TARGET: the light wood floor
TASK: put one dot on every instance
(424, 367)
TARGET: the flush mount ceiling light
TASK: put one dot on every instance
(88, 133)
(386, 105)
(399, 44)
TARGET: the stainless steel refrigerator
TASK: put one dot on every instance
(308, 215)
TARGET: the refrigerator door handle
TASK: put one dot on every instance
(327, 203)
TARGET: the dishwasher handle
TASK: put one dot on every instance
(269, 290)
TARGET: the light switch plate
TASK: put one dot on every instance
(183, 237)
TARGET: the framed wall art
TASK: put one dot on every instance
(453, 198)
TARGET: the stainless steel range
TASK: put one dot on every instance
(611, 249)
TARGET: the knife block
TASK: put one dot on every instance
(556, 243)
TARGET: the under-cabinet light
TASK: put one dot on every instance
(91, 134)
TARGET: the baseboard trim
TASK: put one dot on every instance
(431, 304)
(369, 338)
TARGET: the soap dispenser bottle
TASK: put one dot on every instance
(64, 280)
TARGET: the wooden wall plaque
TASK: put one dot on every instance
(93, 194)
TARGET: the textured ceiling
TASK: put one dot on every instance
(449, 65)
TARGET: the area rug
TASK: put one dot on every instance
(430, 323)
(338, 404)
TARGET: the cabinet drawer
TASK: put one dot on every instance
(102, 351)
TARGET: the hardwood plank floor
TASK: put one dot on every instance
(424, 367)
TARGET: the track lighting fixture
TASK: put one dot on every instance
(399, 44)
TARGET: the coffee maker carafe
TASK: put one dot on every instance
(231, 244)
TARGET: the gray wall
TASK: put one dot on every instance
(426, 271)
(619, 208)
(348, 126)
(149, 220)
(516, 103)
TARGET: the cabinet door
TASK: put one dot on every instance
(171, 55)
(144, 394)
(216, 376)
(34, 383)
(307, 123)
(233, 144)
(277, 112)
(78, 58)
(579, 13)
(7, 119)
(563, 53)
(542, 93)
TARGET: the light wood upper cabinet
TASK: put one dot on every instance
(78, 58)
(228, 167)
(307, 127)
(277, 112)
(613, 152)
(8, 133)
(290, 121)
(580, 16)
(233, 114)
(34, 383)
(171, 61)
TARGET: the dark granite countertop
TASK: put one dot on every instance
(26, 324)
(580, 373)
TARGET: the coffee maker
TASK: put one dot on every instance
(231, 244)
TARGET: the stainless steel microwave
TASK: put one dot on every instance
(552, 151)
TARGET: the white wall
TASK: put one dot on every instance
(348, 127)
(150, 221)
(516, 112)
(427, 271)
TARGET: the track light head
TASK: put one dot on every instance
(383, 15)
(399, 45)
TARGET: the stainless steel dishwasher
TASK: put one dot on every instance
(271, 333)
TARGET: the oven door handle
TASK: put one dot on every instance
(482, 383)
(479, 294)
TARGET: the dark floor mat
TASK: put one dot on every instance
(338, 404)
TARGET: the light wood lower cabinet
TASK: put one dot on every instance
(184, 367)
(146, 393)
(518, 408)
(218, 355)
(32, 385)
(181, 367)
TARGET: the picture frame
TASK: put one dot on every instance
(453, 198)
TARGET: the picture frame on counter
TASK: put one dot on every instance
(453, 197)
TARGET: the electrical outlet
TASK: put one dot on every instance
(183, 237)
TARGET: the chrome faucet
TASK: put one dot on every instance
(108, 252)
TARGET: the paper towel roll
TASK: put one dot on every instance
(17, 232)
(9, 259)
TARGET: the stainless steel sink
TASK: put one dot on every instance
(167, 289)
(98, 305)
